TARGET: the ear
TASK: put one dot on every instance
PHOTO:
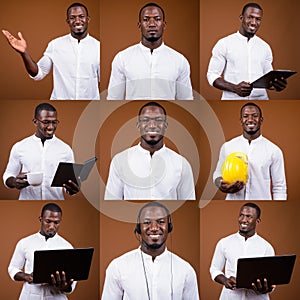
(34, 120)
(88, 18)
(137, 125)
(258, 221)
(40, 218)
(261, 119)
(139, 25)
(241, 18)
(166, 125)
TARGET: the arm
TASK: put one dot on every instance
(19, 182)
(114, 187)
(20, 46)
(190, 287)
(186, 187)
(243, 89)
(117, 81)
(184, 89)
(277, 173)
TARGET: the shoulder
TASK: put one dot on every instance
(270, 144)
(126, 259)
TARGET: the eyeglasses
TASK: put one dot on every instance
(157, 120)
(48, 122)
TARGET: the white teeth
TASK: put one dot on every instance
(154, 235)
(243, 225)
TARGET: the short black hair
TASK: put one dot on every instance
(52, 207)
(43, 106)
(75, 4)
(251, 104)
(255, 206)
(152, 103)
(152, 4)
(251, 4)
(152, 204)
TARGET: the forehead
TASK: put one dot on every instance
(247, 210)
(47, 114)
(48, 214)
(153, 212)
(253, 11)
(152, 110)
(250, 110)
(151, 10)
(76, 10)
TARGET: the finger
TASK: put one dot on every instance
(63, 276)
(20, 35)
(58, 279)
(258, 283)
(53, 281)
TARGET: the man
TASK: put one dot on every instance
(150, 70)
(40, 152)
(265, 161)
(242, 57)
(75, 59)
(151, 271)
(21, 264)
(245, 243)
(150, 170)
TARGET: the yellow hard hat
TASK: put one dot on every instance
(235, 167)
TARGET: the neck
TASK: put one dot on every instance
(251, 137)
(246, 235)
(152, 252)
(151, 148)
(151, 45)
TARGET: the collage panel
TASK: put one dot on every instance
(138, 233)
(78, 225)
(64, 44)
(219, 20)
(149, 62)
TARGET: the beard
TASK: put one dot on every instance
(152, 142)
(152, 39)
(152, 246)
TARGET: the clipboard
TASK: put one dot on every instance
(276, 269)
(75, 263)
(264, 81)
(70, 171)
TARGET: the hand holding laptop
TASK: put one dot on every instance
(60, 282)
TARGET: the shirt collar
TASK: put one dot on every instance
(74, 40)
(259, 138)
(146, 49)
(242, 37)
(162, 149)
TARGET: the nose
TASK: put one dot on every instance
(154, 225)
(152, 22)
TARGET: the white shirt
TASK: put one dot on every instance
(134, 175)
(30, 155)
(76, 68)
(240, 60)
(265, 168)
(23, 259)
(138, 74)
(169, 277)
(227, 252)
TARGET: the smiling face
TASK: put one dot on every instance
(46, 124)
(152, 125)
(251, 20)
(78, 21)
(152, 25)
(251, 121)
(154, 229)
(247, 221)
(50, 222)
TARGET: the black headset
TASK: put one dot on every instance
(137, 228)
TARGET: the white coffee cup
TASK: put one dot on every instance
(35, 178)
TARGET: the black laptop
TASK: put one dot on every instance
(75, 263)
(276, 269)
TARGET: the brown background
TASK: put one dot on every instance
(196, 231)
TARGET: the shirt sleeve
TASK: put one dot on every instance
(112, 289)
(217, 62)
(44, 64)
(14, 165)
(222, 157)
(191, 286)
(114, 186)
(17, 261)
(184, 89)
(278, 176)
(117, 81)
(218, 262)
(186, 187)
